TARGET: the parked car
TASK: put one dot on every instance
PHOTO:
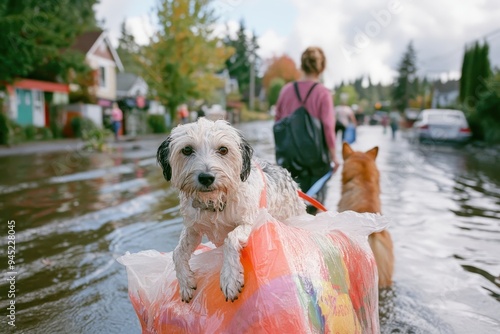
(215, 112)
(447, 125)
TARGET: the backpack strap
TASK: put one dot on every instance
(296, 86)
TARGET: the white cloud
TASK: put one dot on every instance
(362, 38)
(358, 37)
(141, 27)
(222, 29)
(135, 13)
(271, 45)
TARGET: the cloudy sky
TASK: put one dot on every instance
(359, 37)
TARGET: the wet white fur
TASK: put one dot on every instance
(231, 227)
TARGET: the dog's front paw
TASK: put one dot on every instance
(232, 281)
(187, 286)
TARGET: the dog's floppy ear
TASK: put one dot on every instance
(373, 152)
(162, 156)
(346, 150)
(246, 152)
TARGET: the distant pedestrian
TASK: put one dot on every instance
(346, 122)
(116, 120)
(183, 114)
(394, 122)
(200, 114)
(384, 121)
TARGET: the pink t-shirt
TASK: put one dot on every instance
(319, 104)
(116, 115)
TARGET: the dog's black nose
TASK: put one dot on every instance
(206, 179)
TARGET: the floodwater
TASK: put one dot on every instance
(76, 212)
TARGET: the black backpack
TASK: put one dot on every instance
(300, 142)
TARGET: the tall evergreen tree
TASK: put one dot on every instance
(245, 50)
(464, 77)
(358, 85)
(407, 69)
(128, 51)
(475, 72)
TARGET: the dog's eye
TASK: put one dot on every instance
(223, 150)
(188, 150)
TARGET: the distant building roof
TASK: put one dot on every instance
(88, 41)
(85, 41)
(125, 81)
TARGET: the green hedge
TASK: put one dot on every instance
(157, 123)
(13, 133)
(4, 129)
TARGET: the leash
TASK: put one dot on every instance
(314, 189)
(320, 183)
(263, 194)
(311, 200)
(304, 196)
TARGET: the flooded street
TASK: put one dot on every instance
(76, 212)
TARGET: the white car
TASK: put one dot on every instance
(215, 113)
(442, 125)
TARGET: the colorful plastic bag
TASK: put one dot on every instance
(314, 274)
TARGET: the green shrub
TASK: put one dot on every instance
(56, 130)
(45, 133)
(56, 126)
(485, 119)
(17, 134)
(4, 129)
(30, 132)
(95, 138)
(274, 90)
(76, 126)
(157, 123)
(81, 124)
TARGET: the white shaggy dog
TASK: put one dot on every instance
(220, 189)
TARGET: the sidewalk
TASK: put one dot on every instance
(69, 144)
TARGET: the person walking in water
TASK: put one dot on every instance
(318, 101)
(116, 120)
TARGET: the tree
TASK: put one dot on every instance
(36, 36)
(488, 110)
(475, 73)
(346, 95)
(477, 94)
(463, 78)
(280, 67)
(183, 57)
(128, 51)
(407, 69)
(274, 90)
(238, 64)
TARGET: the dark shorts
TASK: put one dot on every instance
(116, 126)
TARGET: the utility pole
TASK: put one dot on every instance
(252, 82)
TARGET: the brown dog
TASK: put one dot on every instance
(361, 193)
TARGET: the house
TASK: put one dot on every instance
(130, 85)
(131, 92)
(29, 101)
(445, 94)
(102, 57)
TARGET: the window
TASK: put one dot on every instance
(102, 76)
